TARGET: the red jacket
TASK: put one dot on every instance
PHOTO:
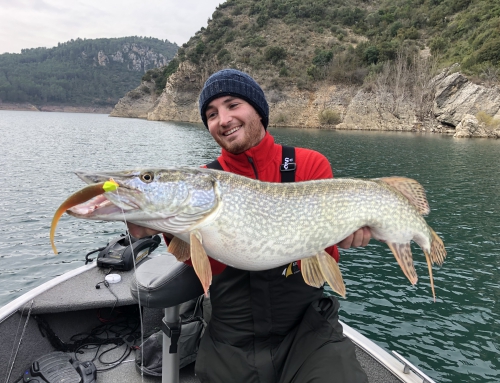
(267, 158)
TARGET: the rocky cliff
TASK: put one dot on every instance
(454, 98)
(137, 57)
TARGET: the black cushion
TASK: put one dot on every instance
(163, 282)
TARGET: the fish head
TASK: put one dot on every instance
(149, 194)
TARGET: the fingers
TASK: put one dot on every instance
(359, 238)
(346, 243)
(367, 235)
(140, 231)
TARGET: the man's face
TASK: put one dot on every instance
(234, 124)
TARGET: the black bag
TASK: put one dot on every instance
(192, 329)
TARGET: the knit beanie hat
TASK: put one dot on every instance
(232, 82)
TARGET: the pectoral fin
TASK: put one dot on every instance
(311, 272)
(200, 261)
(180, 249)
(331, 272)
(402, 252)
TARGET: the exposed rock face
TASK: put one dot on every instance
(456, 96)
(136, 103)
(139, 58)
(102, 59)
(118, 56)
(179, 100)
(301, 108)
(470, 127)
(367, 112)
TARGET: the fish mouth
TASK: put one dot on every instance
(107, 206)
(100, 207)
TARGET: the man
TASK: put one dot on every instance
(266, 326)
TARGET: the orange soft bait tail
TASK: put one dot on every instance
(77, 198)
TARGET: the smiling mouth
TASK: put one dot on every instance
(229, 132)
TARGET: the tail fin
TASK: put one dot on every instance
(437, 255)
(438, 252)
(429, 266)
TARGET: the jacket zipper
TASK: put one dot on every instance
(250, 159)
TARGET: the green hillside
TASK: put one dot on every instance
(81, 72)
(301, 42)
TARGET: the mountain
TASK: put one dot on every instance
(342, 40)
(314, 58)
(81, 72)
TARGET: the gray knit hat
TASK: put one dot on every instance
(232, 82)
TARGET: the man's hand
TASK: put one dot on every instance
(140, 231)
(359, 238)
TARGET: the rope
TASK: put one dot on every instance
(20, 339)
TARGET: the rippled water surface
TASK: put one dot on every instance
(455, 339)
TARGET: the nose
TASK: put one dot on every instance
(225, 117)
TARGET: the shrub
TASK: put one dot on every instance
(490, 51)
(284, 72)
(226, 22)
(329, 117)
(438, 44)
(371, 54)
(275, 54)
(280, 119)
(135, 94)
(323, 57)
(256, 41)
(314, 72)
(224, 56)
(487, 120)
(412, 34)
(200, 48)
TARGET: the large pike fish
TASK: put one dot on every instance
(253, 225)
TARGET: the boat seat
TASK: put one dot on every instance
(163, 282)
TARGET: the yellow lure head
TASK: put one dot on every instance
(110, 186)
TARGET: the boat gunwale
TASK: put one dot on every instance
(12, 307)
(385, 359)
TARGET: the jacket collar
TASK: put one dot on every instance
(261, 155)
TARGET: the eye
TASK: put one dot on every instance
(147, 177)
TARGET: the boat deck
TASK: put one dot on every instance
(70, 308)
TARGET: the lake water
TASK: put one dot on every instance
(455, 339)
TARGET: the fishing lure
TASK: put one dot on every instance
(77, 198)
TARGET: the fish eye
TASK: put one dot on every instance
(147, 177)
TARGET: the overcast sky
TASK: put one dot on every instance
(44, 23)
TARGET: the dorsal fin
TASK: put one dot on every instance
(412, 190)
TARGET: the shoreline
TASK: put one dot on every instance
(422, 128)
(27, 107)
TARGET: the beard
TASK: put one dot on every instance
(253, 133)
